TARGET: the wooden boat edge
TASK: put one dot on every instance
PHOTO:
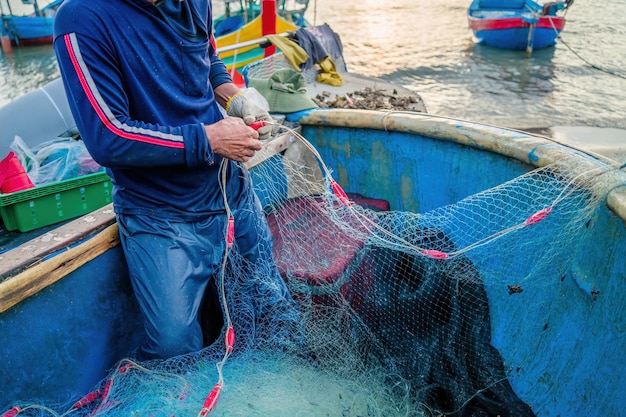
(25, 269)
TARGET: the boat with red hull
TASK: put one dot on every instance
(517, 24)
(32, 29)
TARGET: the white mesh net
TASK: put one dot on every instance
(395, 318)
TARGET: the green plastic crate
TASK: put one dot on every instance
(52, 203)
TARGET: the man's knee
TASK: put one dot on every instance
(172, 341)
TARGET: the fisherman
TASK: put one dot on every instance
(145, 86)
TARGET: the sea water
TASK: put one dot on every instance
(426, 46)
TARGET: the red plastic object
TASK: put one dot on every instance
(340, 193)
(258, 124)
(87, 399)
(14, 178)
(435, 254)
(12, 412)
(230, 236)
(538, 216)
(211, 400)
(229, 339)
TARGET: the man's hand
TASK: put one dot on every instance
(233, 139)
(240, 106)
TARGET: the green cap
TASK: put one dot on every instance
(285, 91)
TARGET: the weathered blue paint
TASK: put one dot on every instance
(58, 344)
(564, 355)
(532, 156)
(295, 116)
(563, 352)
(412, 172)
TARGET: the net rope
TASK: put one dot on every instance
(394, 314)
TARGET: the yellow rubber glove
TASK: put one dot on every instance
(328, 73)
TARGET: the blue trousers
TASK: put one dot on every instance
(170, 264)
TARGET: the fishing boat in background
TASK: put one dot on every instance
(33, 29)
(480, 269)
(246, 23)
(517, 24)
(241, 22)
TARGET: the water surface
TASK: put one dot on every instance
(427, 47)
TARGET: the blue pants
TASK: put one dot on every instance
(170, 264)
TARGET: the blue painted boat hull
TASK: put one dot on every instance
(563, 363)
(26, 30)
(31, 28)
(562, 343)
(517, 38)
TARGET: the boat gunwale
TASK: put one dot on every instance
(525, 147)
(25, 269)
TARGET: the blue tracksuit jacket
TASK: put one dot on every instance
(139, 89)
(138, 79)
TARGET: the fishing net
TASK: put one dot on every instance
(394, 312)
